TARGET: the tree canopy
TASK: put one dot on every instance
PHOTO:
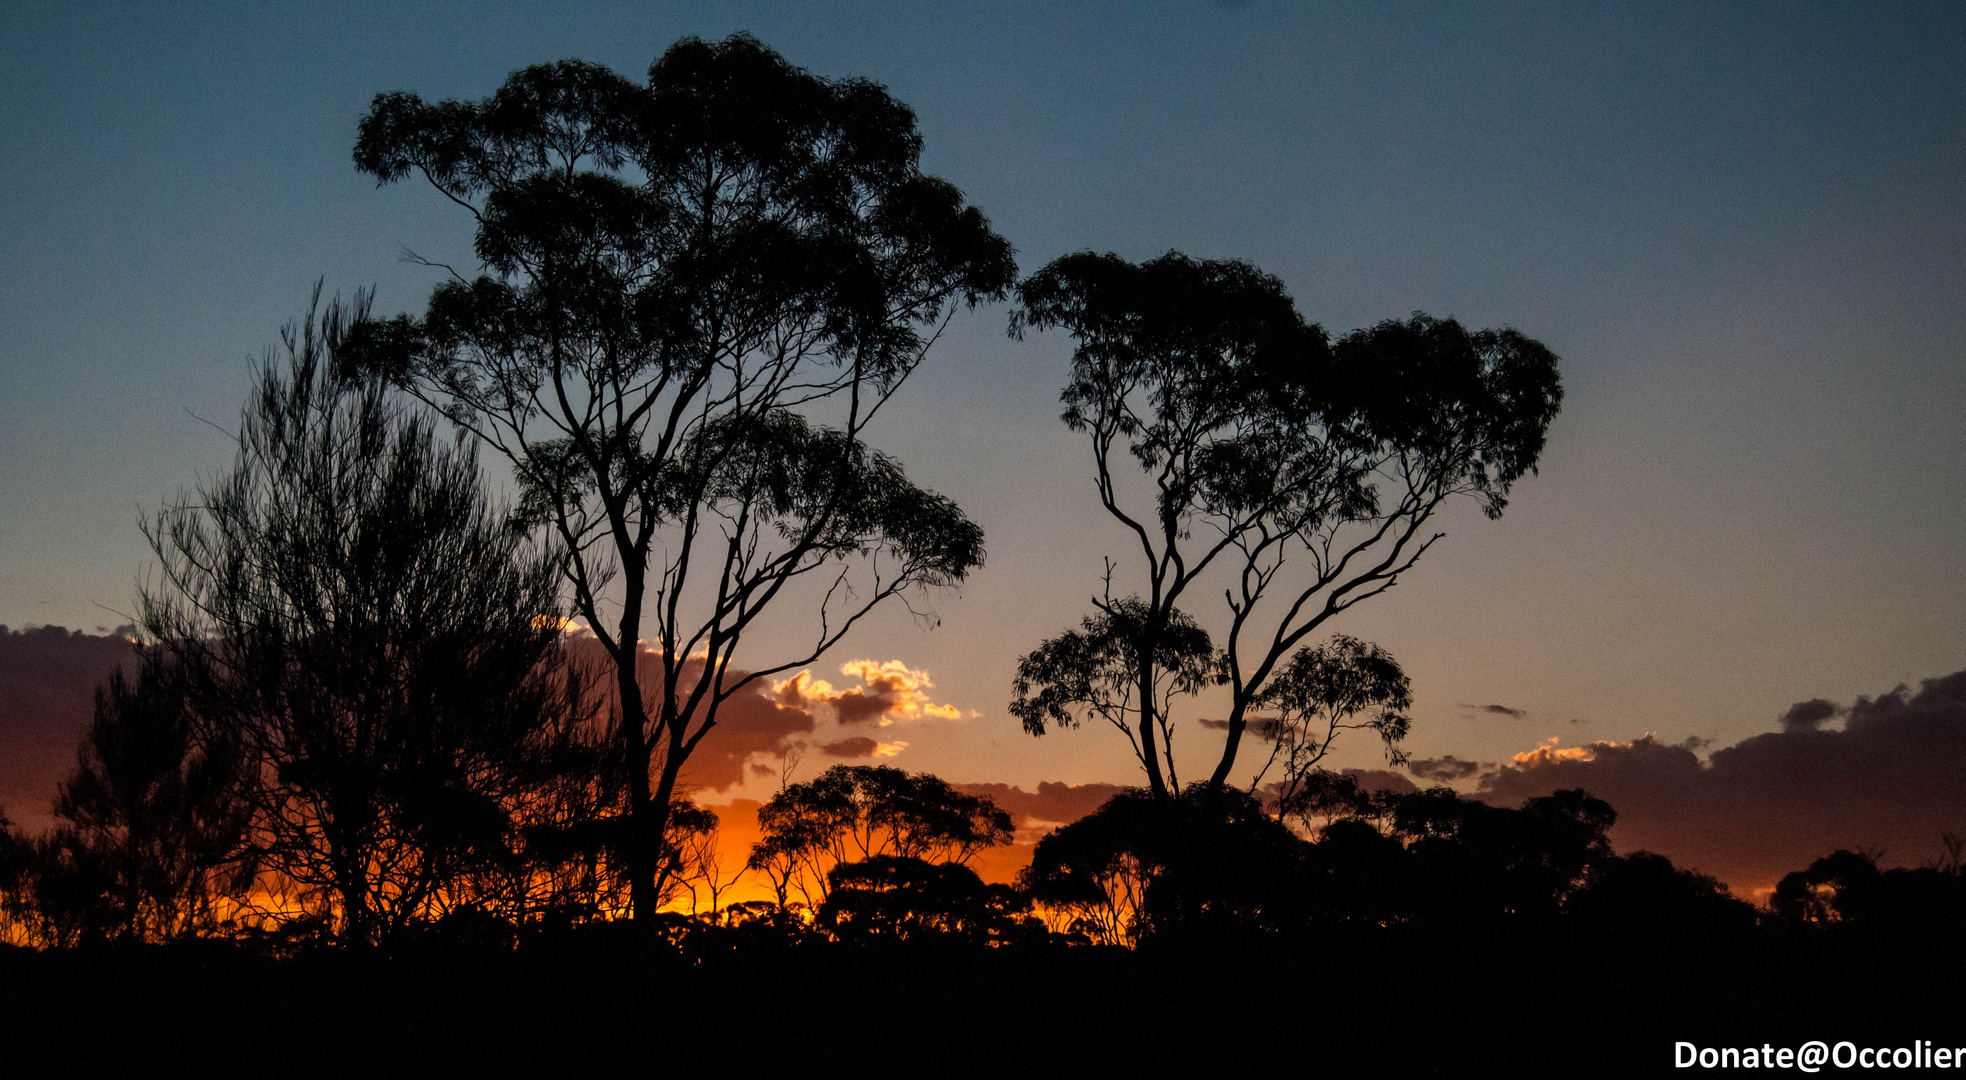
(853, 813)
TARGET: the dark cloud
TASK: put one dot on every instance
(757, 721)
(749, 724)
(1443, 770)
(48, 679)
(1497, 710)
(1382, 780)
(1890, 779)
(1035, 813)
(1808, 715)
(1256, 727)
(857, 747)
(857, 706)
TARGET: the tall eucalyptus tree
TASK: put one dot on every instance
(1230, 434)
(698, 292)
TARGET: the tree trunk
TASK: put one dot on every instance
(1238, 720)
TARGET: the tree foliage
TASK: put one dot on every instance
(1209, 860)
(1215, 863)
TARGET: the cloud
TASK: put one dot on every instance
(1497, 710)
(1382, 780)
(48, 679)
(857, 747)
(1443, 770)
(889, 691)
(1808, 715)
(861, 746)
(1035, 813)
(1774, 802)
(756, 722)
(750, 724)
(1258, 727)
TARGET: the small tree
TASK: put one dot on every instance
(1342, 685)
(154, 806)
(352, 615)
(1306, 472)
(858, 812)
(1095, 672)
(895, 898)
(682, 276)
(1208, 859)
(17, 917)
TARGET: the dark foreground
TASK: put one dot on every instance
(1553, 1004)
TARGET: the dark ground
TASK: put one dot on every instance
(1542, 1005)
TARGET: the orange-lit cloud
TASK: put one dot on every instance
(1549, 753)
(890, 690)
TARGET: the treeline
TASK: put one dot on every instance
(875, 856)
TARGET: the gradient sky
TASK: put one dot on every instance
(1743, 228)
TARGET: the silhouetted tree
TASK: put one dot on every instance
(154, 806)
(1848, 888)
(1475, 862)
(1095, 672)
(1206, 862)
(1324, 798)
(1643, 894)
(66, 891)
(691, 840)
(857, 812)
(681, 275)
(1342, 685)
(1259, 445)
(354, 617)
(897, 898)
(16, 898)
(1358, 876)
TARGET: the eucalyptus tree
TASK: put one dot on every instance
(1340, 685)
(854, 813)
(1095, 672)
(1230, 434)
(698, 292)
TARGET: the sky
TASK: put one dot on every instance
(1741, 227)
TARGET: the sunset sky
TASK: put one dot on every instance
(1743, 230)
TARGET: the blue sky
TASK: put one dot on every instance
(1743, 227)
